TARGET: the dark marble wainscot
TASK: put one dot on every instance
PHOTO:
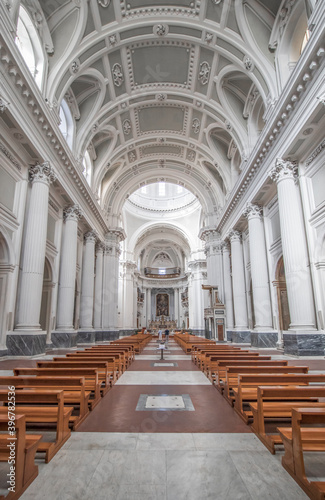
(199, 333)
(86, 337)
(3, 352)
(64, 339)
(239, 337)
(304, 344)
(26, 344)
(106, 336)
(264, 339)
(126, 333)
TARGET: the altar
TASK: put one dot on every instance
(162, 322)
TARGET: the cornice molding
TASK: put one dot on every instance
(309, 64)
(43, 118)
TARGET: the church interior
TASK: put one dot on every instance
(162, 169)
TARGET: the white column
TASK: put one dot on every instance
(259, 269)
(213, 252)
(87, 282)
(68, 266)
(196, 302)
(238, 281)
(98, 287)
(176, 305)
(29, 305)
(294, 246)
(228, 287)
(129, 299)
(110, 280)
(148, 298)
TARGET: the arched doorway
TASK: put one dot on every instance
(282, 296)
(45, 315)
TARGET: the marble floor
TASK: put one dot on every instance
(170, 451)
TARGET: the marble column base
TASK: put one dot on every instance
(239, 337)
(127, 333)
(62, 339)
(86, 337)
(264, 339)
(105, 336)
(26, 344)
(304, 344)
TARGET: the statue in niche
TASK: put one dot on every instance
(162, 304)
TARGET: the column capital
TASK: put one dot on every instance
(100, 247)
(284, 169)
(90, 237)
(42, 172)
(225, 246)
(209, 234)
(116, 234)
(253, 211)
(72, 213)
(234, 235)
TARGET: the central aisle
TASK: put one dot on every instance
(189, 445)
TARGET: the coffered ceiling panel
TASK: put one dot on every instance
(171, 119)
(160, 63)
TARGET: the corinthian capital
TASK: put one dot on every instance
(72, 213)
(252, 211)
(90, 237)
(234, 235)
(42, 173)
(284, 169)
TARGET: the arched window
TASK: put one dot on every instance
(28, 42)
(305, 40)
(66, 123)
(88, 167)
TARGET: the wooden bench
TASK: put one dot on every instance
(74, 392)
(106, 371)
(214, 360)
(115, 359)
(25, 449)
(218, 373)
(126, 351)
(246, 391)
(92, 382)
(45, 408)
(275, 403)
(232, 374)
(307, 434)
(203, 361)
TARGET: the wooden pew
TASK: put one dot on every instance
(246, 391)
(115, 359)
(92, 383)
(276, 403)
(233, 372)
(25, 449)
(307, 434)
(73, 387)
(204, 359)
(217, 374)
(106, 371)
(46, 408)
(214, 360)
(127, 351)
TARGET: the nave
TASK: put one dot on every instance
(164, 432)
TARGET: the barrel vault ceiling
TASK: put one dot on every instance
(162, 91)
